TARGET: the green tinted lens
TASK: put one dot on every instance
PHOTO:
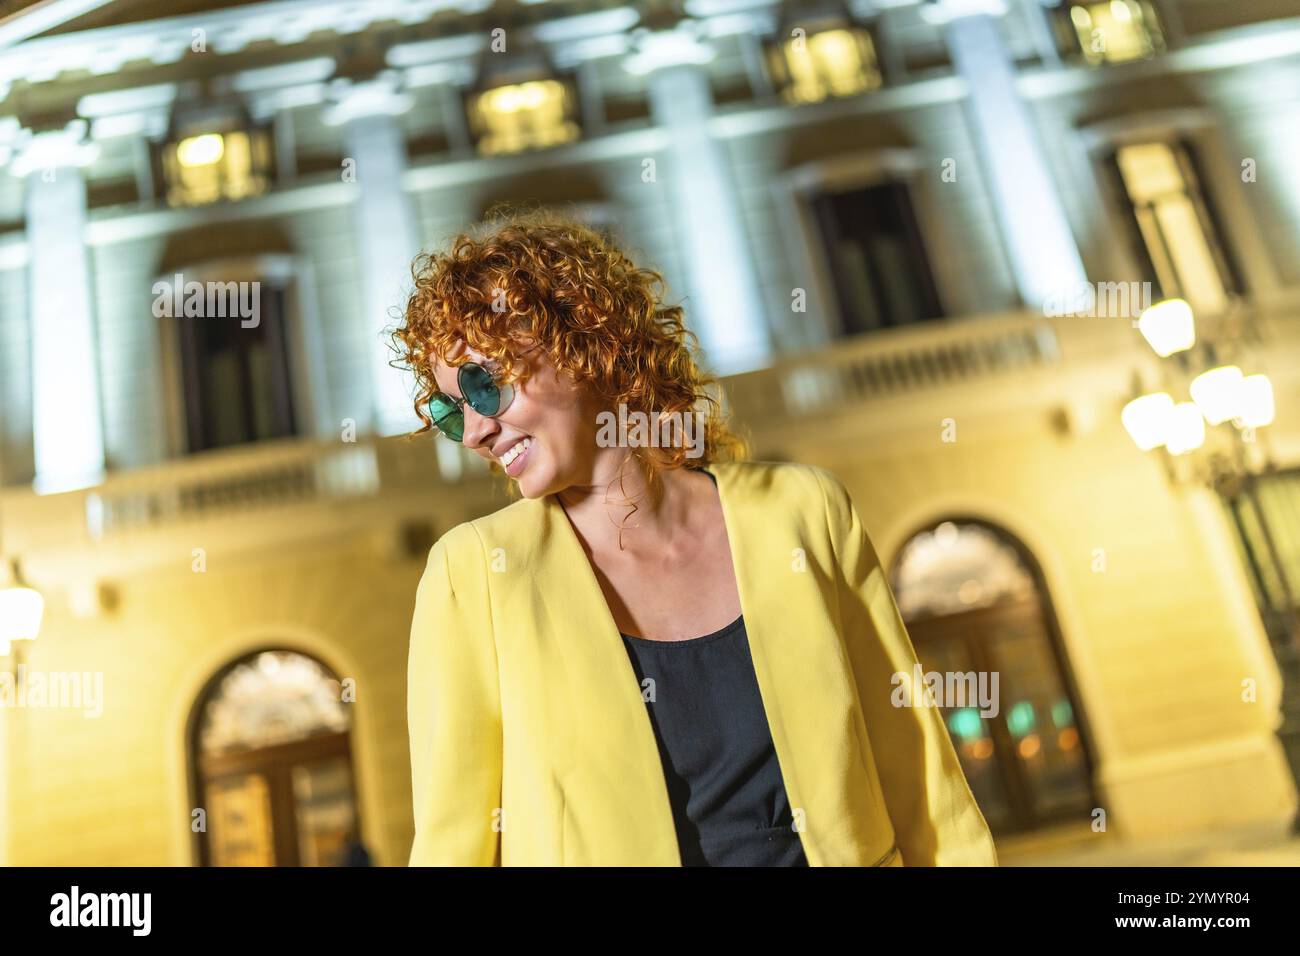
(479, 389)
(447, 415)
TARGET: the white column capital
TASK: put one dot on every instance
(654, 50)
(10, 129)
(352, 99)
(940, 12)
(135, 111)
(386, 242)
(65, 148)
(1040, 244)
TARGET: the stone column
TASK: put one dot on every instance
(1035, 231)
(67, 420)
(384, 225)
(725, 308)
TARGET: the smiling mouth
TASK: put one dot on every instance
(516, 455)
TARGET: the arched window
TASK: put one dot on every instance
(273, 765)
(973, 602)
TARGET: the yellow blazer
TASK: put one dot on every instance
(530, 740)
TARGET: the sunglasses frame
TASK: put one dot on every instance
(505, 395)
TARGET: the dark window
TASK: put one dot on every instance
(236, 374)
(877, 259)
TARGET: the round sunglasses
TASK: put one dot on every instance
(481, 388)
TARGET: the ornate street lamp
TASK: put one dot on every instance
(1219, 392)
(1213, 440)
(21, 610)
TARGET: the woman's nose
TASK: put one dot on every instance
(478, 428)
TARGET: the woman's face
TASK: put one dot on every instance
(556, 418)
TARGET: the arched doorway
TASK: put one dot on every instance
(272, 764)
(973, 601)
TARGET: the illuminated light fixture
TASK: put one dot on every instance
(520, 103)
(1255, 407)
(1217, 393)
(1147, 419)
(1115, 31)
(203, 150)
(216, 156)
(815, 62)
(1186, 429)
(1168, 327)
(21, 610)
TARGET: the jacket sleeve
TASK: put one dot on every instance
(454, 709)
(935, 817)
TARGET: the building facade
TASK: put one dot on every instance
(914, 238)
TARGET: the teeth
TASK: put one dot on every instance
(515, 452)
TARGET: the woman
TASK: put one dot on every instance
(662, 654)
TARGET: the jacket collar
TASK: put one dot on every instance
(620, 748)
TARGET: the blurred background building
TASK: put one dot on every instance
(939, 248)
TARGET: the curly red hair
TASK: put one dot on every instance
(539, 279)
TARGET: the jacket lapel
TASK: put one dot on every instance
(613, 743)
(782, 601)
(612, 751)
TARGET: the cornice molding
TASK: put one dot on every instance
(39, 17)
(1240, 46)
(107, 49)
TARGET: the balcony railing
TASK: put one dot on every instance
(895, 362)
(275, 484)
(265, 478)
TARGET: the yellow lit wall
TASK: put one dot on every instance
(113, 790)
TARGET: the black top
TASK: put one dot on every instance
(729, 802)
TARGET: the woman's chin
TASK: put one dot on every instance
(528, 489)
(531, 483)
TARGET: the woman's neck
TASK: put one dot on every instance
(622, 511)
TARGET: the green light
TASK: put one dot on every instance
(1062, 713)
(965, 723)
(1020, 720)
